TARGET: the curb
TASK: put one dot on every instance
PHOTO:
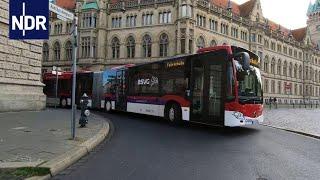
(293, 131)
(63, 161)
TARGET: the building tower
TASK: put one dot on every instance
(314, 22)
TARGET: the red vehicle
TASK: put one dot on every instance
(217, 86)
(85, 84)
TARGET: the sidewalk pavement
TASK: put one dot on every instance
(43, 139)
(303, 121)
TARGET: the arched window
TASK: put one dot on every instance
(131, 47)
(290, 69)
(213, 43)
(164, 43)
(200, 42)
(300, 72)
(285, 66)
(146, 45)
(266, 86)
(273, 66)
(69, 51)
(279, 67)
(266, 64)
(115, 45)
(45, 52)
(57, 50)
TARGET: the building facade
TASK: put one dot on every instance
(314, 22)
(119, 32)
(20, 70)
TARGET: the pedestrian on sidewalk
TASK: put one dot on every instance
(275, 102)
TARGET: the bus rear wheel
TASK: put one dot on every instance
(173, 113)
(108, 106)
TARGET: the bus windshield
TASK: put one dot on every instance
(250, 85)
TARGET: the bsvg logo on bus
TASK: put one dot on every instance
(29, 19)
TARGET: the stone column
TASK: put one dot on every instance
(20, 70)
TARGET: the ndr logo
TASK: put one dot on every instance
(29, 19)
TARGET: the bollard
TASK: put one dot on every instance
(293, 105)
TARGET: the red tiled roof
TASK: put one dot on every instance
(299, 34)
(277, 27)
(67, 4)
(246, 8)
(224, 4)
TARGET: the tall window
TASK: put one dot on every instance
(224, 29)
(279, 67)
(131, 47)
(69, 51)
(273, 86)
(165, 17)
(213, 25)
(57, 50)
(295, 71)
(234, 32)
(85, 47)
(300, 72)
(147, 46)
(147, 19)
(285, 70)
(164, 42)
(131, 21)
(200, 42)
(279, 87)
(201, 21)
(290, 69)
(186, 10)
(89, 20)
(273, 66)
(94, 47)
(116, 22)
(266, 65)
(115, 45)
(45, 52)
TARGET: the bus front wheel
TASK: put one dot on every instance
(108, 106)
(173, 113)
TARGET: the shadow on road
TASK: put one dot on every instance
(185, 126)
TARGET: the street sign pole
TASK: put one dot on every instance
(75, 45)
(66, 15)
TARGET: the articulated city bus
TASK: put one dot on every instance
(217, 86)
(87, 82)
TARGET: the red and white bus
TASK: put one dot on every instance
(217, 86)
(87, 82)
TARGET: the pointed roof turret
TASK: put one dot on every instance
(229, 7)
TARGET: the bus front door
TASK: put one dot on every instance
(121, 101)
(208, 87)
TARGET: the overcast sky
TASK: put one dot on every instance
(289, 13)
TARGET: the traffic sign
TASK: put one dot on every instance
(61, 12)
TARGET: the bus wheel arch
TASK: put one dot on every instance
(173, 112)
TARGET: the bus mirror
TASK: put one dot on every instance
(244, 60)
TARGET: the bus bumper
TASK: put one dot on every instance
(235, 119)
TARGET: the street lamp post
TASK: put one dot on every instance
(74, 70)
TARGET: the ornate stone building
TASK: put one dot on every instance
(115, 32)
(20, 70)
(314, 22)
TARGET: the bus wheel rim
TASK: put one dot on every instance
(171, 114)
(108, 106)
(64, 102)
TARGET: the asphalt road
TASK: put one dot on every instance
(148, 148)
